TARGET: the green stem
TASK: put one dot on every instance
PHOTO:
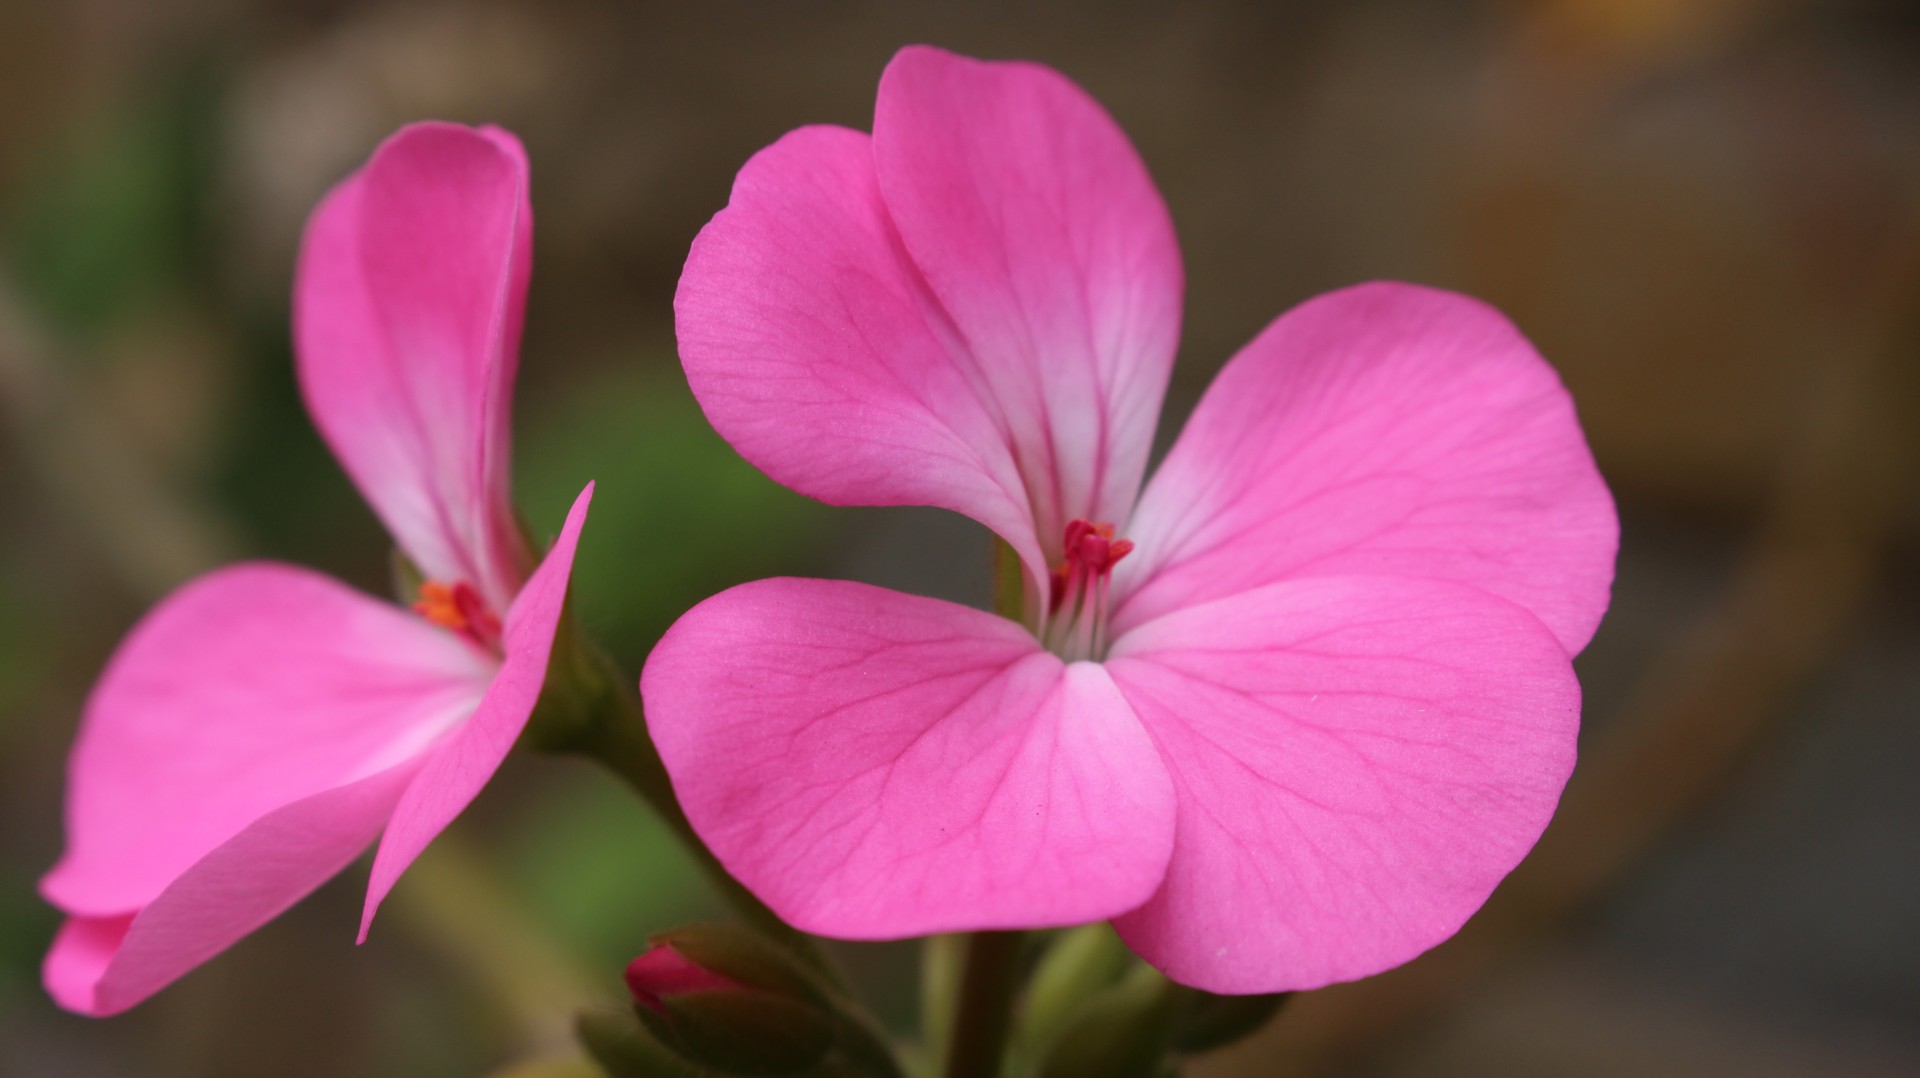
(984, 1015)
(624, 748)
(941, 959)
(620, 742)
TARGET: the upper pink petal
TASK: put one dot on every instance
(102, 965)
(1037, 226)
(975, 309)
(877, 765)
(456, 768)
(1358, 761)
(249, 689)
(408, 306)
(815, 349)
(1383, 429)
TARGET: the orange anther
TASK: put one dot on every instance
(440, 604)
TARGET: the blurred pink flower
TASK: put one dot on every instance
(1287, 716)
(265, 723)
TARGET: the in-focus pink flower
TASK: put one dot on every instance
(1287, 715)
(264, 723)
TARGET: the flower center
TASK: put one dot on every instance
(1077, 597)
(458, 607)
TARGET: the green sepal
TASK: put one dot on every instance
(1203, 1021)
(743, 1032)
(1120, 1032)
(1009, 581)
(624, 1049)
(780, 1018)
(406, 577)
(740, 955)
(1077, 963)
(580, 689)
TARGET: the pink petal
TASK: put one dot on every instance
(1386, 429)
(248, 690)
(459, 766)
(104, 965)
(993, 337)
(876, 765)
(814, 348)
(1037, 226)
(407, 313)
(1358, 762)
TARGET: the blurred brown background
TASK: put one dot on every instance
(1705, 212)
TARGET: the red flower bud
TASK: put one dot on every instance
(663, 973)
(729, 1001)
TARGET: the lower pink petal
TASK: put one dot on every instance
(1389, 430)
(876, 765)
(245, 691)
(102, 965)
(1358, 761)
(458, 767)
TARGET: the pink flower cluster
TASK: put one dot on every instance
(1285, 712)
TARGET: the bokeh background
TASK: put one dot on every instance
(1705, 212)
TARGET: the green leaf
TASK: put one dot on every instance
(124, 215)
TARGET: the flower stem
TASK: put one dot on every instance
(983, 1016)
(941, 960)
(620, 742)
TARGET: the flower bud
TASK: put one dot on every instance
(663, 973)
(728, 1000)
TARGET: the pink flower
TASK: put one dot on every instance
(1287, 715)
(265, 723)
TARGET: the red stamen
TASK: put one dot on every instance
(480, 620)
(458, 607)
(1078, 586)
(1092, 546)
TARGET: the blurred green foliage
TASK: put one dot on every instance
(676, 515)
(601, 870)
(126, 214)
(279, 479)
